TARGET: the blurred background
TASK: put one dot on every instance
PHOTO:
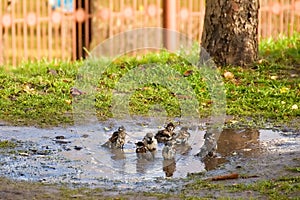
(69, 29)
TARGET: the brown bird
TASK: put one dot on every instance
(169, 151)
(182, 136)
(117, 140)
(143, 152)
(150, 142)
(165, 134)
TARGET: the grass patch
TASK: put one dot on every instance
(7, 144)
(38, 93)
(81, 193)
(281, 188)
(294, 169)
(30, 94)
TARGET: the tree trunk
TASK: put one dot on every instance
(230, 33)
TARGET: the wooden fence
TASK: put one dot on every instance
(63, 29)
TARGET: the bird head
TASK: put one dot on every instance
(121, 128)
(170, 126)
(140, 144)
(149, 135)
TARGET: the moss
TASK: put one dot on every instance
(7, 144)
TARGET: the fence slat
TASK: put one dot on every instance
(1, 36)
(35, 29)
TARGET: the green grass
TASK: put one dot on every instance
(271, 88)
(4, 144)
(30, 95)
(281, 188)
(267, 91)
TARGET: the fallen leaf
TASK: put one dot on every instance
(68, 101)
(260, 61)
(247, 149)
(52, 72)
(225, 177)
(294, 107)
(23, 154)
(228, 75)
(76, 92)
(233, 121)
(188, 73)
(274, 77)
(28, 90)
(284, 90)
(106, 128)
(145, 88)
(66, 81)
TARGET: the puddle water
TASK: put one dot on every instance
(75, 154)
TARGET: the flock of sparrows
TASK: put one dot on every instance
(146, 148)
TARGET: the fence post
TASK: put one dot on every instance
(169, 22)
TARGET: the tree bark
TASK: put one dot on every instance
(230, 33)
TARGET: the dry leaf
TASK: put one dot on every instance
(225, 177)
(233, 121)
(284, 90)
(76, 92)
(68, 101)
(28, 90)
(228, 75)
(294, 107)
(188, 73)
(52, 72)
(274, 77)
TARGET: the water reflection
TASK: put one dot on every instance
(169, 167)
(244, 142)
(117, 154)
(143, 165)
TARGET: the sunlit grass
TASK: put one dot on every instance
(267, 91)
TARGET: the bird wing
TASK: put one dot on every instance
(114, 137)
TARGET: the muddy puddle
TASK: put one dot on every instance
(74, 155)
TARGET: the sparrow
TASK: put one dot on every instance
(181, 138)
(117, 140)
(150, 142)
(169, 151)
(142, 151)
(165, 134)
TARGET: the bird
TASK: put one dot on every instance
(117, 140)
(142, 151)
(181, 138)
(169, 151)
(166, 134)
(150, 142)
